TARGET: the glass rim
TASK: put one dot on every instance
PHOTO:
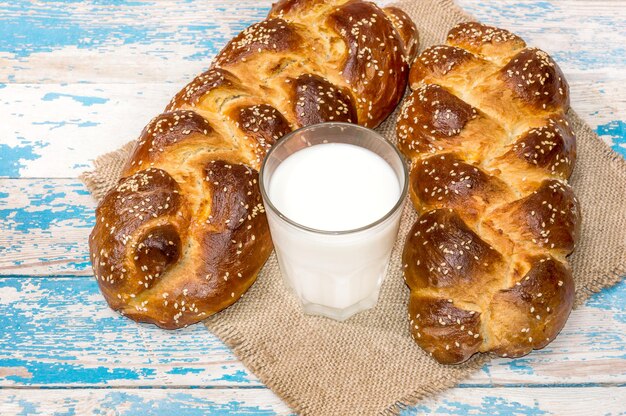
(287, 137)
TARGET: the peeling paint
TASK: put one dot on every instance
(489, 406)
(13, 158)
(614, 133)
(87, 101)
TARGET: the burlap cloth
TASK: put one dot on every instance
(370, 364)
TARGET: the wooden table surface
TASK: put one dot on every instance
(81, 78)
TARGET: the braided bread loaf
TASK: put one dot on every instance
(491, 151)
(184, 234)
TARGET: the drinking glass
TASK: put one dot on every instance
(333, 273)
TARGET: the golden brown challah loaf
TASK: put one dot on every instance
(491, 151)
(184, 233)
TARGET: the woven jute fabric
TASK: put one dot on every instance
(369, 364)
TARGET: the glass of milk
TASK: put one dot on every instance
(333, 194)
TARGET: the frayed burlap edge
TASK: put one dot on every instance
(107, 170)
(607, 279)
(253, 357)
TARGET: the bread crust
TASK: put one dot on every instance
(184, 234)
(491, 151)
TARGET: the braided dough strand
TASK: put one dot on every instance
(486, 130)
(184, 233)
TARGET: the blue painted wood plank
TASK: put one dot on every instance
(67, 98)
(90, 28)
(56, 130)
(614, 132)
(166, 402)
(60, 332)
(45, 227)
(38, 235)
(134, 402)
(589, 401)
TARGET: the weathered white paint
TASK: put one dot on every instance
(60, 332)
(571, 401)
(134, 402)
(45, 227)
(64, 107)
(67, 126)
(561, 401)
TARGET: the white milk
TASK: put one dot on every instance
(334, 187)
